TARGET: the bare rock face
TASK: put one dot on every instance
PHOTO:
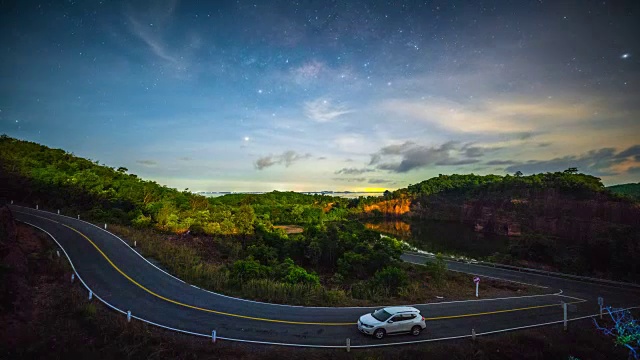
(394, 207)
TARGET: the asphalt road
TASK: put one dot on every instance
(121, 277)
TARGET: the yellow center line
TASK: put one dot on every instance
(499, 311)
(274, 320)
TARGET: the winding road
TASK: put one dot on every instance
(123, 279)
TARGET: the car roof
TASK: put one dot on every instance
(400, 309)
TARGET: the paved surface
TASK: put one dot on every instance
(121, 277)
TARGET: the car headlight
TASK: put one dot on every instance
(367, 326)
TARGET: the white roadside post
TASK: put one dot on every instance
(600, 303)
(348, 345)
(78, 217)
(58, 252)
(11, 202)
(213, 336)
(105, 226)
(90, 294)
(128, 315)
(564, 311)
(473, 334)
(36, 206)
(477, 281)
(58, 211)
(73, 277)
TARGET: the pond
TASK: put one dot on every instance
(451, 238)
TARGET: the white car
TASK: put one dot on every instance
(392, 320)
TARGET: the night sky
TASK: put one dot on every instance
(326, 95)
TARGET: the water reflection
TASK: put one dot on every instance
(441, 236)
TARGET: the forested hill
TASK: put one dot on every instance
(630, 190)
(35, 174)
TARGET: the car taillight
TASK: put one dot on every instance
(423, 318)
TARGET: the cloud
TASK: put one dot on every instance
(149, 163)
(414, 156)
(601, 162)
(150, 22)
(322, 158)
(381, 181)
(500, 162)
(185, 158)
(353, 171)
(521, 117)
(350, 179)
(323, 110)
(632, 151)
(287, 158)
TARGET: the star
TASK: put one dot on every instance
(625, 56)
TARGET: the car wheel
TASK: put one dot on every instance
(415, 331)
(379, 334)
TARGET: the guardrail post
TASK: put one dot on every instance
(73, 277)
(564, 310)
(90, 294)
(348, 345)
(473, 334)
(600, 303)
(128, 315)
(213, 336)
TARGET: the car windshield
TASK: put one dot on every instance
(381, 315)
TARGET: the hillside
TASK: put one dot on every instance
(53, 178)
(630, 190)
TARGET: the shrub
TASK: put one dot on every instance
(392, 278)
(437, 269)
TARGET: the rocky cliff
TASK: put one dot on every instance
(547, 211)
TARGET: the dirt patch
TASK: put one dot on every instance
(290, 229)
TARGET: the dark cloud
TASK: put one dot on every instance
(544, 144)
(415, 156)
(596, 162)
(287, 158)
(634, 170)
(147, 162)
(474, 151)
(381, 181)
(632, 151)
(353, 171)
(457, 162)
(350, 179)
(500, 162)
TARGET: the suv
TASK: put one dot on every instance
(392, 320)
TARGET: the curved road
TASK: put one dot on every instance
(121, 277)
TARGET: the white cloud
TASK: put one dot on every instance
(324, 110)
